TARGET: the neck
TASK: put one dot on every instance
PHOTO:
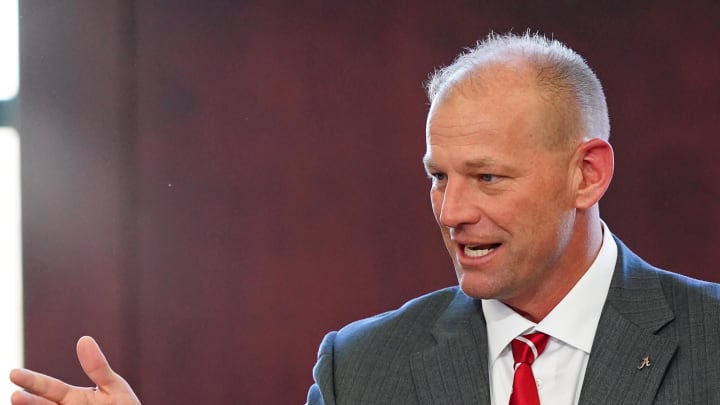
(581, 252)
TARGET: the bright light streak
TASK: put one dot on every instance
(9, 54)
(11, 339)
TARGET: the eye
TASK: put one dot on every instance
(436, 177)
(488, 178)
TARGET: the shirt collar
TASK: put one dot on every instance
(573, 321)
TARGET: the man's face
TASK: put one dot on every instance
(503, 199)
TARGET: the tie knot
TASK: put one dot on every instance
(527, 348)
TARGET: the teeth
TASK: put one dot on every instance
(475, 252)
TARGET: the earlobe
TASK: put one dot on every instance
(595, 170)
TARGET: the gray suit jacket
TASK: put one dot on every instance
(433, 350)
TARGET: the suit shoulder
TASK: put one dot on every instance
(416, 315)
(637, 273)
(678, 285)
(682, 292)
(368, 361)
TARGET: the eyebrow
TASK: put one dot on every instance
(427, 161)
(470, 164)
(473, 164)
(480, 163)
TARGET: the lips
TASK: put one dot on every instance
(479, 250)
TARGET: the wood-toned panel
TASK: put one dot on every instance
(75, 167)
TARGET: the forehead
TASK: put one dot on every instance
(501, 111)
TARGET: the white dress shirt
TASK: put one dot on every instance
(560, 370)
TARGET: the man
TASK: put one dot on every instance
(518, 155)
(550, 307)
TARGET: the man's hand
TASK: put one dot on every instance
(44, 390)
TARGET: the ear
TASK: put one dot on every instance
(594, 170)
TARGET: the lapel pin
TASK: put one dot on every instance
(645, 363)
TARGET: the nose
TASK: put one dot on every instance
(457, 206)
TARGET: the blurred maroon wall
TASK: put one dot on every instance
(209, 187)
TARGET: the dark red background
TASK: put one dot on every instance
(209, 187)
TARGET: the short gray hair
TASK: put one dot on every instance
(561, 73)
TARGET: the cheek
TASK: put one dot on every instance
(518, 215)
(539, 219)
(543, 199)
(436, 203)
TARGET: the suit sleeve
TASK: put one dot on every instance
(323, 391)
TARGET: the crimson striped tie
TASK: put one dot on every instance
(525, 350)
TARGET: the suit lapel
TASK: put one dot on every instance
(455, 370)
(635, 310)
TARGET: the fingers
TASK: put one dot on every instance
(95, 364)
(26, 398)
(38, 384)
(45, 390)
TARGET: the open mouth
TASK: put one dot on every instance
(479, 250)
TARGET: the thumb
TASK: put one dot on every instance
(94, 364)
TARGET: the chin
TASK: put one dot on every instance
(473, 290)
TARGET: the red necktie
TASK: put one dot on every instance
(525, 350)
